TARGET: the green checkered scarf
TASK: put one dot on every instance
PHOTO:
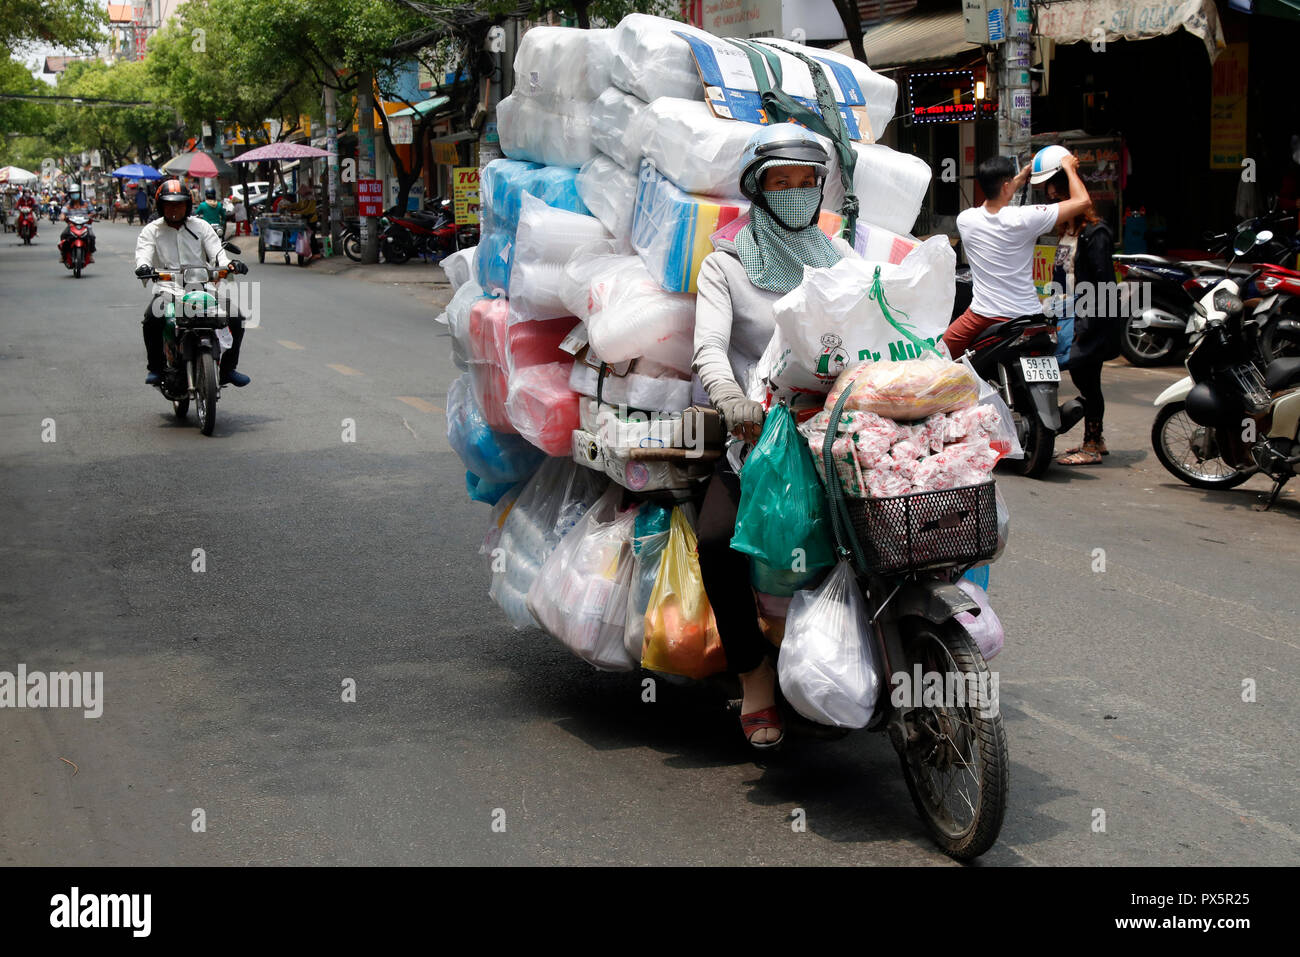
(774, 257)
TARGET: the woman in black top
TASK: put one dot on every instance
(1096, 331)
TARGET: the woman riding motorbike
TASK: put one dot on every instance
(783, 172)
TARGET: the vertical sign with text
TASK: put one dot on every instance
(370, 197)
(464, 184)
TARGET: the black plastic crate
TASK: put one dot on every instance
(907, 533)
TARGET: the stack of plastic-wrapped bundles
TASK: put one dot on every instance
(575, 320)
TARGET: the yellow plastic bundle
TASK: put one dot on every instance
(908, 390)
(681, 635)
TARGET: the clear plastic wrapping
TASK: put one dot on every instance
(545, 240)
(580, 596)
(490, 455)
(548, 507)
(457, 314)
(612, 127)
(827, 665)
(459, 267)
(696, 150)
(542, 407)
(890, 187)
(563, 63)
(631, 317)
(609, 191)
(554, 133)
(651, 62)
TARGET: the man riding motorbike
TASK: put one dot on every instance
(783, 172)
(77, 206)
(175, 238)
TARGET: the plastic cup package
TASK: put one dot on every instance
(613, 130)
(650, 61)
(563, 63)
(490, 455)
(457, 314)
(609, 191)
(542, 407)
(631, 317)
(558, 134)
(664, 390)
(545, 240)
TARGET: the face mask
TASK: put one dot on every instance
(795, 207)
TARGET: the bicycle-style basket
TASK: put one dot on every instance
(907, 533)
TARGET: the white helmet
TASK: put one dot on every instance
(1047, 163)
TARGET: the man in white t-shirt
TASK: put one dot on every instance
(999, 242)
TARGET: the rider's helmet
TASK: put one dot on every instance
(782, 144)
(210, 193)
(1047, 163)
(173, 191)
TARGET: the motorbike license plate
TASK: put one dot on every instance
(1040, 369)
(227, 340)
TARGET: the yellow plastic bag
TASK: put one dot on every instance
(681, 636)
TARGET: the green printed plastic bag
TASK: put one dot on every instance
(782, 519)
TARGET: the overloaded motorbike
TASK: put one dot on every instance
(195, 334)
(907, 554)
(1235, 414)
(75, 250)
(26, 225)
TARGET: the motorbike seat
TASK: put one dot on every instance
(1282, 373)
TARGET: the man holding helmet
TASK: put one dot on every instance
(999, 238)
(174, 238)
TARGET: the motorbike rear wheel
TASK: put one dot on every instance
(352, 247)
(1280, 339)
(1039, 443)
(205, 392)
(1144, 348)
(956, 764)
(1190, 452)
(397, 251)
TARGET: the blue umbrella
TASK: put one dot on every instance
(136, 171)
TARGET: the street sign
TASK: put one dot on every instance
(370, 197)
(465, 201)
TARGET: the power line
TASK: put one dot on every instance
(78, 100)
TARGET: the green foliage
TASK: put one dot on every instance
(115, 131)
(76, 24)
(602, 13)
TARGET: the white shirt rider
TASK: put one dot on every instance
(165, 247)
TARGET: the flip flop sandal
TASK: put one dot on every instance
(1080, 458)
(758, 720)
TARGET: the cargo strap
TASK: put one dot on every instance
(846, 536)
(781, 107)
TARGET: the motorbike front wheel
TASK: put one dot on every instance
(1144, 347)
(205, 392)
(352, 247)
(78, 260)
(396, 251)
(1190, 452)
(955, 759)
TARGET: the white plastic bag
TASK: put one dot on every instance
(631, 317)
(458, 322)
(609, 191)
(586, 263)
(827, 665)
(890, 186)
(646, 385)
(459, 267)
(832, 318)
(563, 63)
(554, 134)
(580, 596)
(612, 130)
(544, 241)
(986, 628)
(651, 62)
(551, 504)
(697, 151)
(647, 552)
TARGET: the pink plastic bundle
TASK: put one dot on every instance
(488, 319)
(490, 391)
(963, 463)
(542, 407)
(537, 342)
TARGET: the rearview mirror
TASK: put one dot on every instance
(1248, 239)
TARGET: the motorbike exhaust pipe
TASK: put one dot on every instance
(1159, 319)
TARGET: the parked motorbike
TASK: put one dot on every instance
(26, 225)
(431, 233)
(1228, 419)
(195, 333)
(350, 237)
(75, 250)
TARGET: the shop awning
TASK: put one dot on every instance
(1075, 21)
(424, 106)
(914, 39)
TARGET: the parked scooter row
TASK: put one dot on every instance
(1237, 413)
(431, 232)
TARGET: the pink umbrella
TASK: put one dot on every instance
(279, 151)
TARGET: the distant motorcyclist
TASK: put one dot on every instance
(177, 237)
(212, 212)
(77, 206)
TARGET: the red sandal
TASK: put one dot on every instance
(757, 721)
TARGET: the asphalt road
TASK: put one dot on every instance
(329, 560)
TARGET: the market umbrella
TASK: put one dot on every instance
(17, 175)
(198, 164)
(136, 171)
(279, 151)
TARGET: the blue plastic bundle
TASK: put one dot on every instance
(492, 456)
(481, 491)
(500, 190)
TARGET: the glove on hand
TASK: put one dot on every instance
(143, 272)
(237, 267)
(739, 413)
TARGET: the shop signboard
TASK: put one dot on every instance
(464, 186)
(1228, 107)
(370, 197)
(400, 130)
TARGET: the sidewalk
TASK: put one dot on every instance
(415, 271)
